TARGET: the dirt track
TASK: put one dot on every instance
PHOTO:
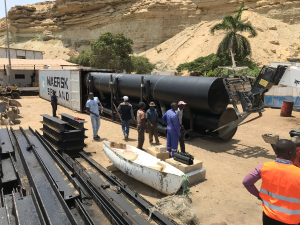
(222, 196)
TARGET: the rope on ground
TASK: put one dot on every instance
(177, 207)
(186, 182)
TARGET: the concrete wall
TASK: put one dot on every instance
(19, 82)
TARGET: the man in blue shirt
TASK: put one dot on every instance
(127, 113)
(93, 109)
(54, 103)
(151, 116)
(173, 129)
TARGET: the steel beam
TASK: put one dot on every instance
(138, 200)
(67, 135)
(79, 124)
(53, 206)
(5, 141)
(64, 186)
(54, 122)
(64, 145)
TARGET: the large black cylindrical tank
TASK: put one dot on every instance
(205, 94)
(205, 123)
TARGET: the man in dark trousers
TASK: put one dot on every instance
(152, 123)
(54, 103)
(127, 113)
(179, 112)
(170, 118)
(141, 125)
(280, 188)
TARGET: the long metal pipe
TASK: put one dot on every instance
(8, 49)
(204, 94)
(206, 97)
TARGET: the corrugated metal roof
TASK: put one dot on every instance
(21, 49)
(38, 63)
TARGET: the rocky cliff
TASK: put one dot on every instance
(148, 22)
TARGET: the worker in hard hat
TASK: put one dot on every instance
(127, 114)
(170, 118)
(179, 112)
(141, 125)
(152, 117)
(280, 187)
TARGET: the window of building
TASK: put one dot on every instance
(19, 76)
(21, 57)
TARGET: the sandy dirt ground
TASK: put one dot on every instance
(221, 197)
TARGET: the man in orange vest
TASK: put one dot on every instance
(280, 189)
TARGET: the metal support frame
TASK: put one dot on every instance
(50, 200)
(142, 88)
(148, 91)
(79, 124)
(54, 122)
(116, 87)
(236, 123)
(111, 97)
(138, 200)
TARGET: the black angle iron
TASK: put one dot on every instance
(50, 199)
(79, 124)
(136, 198)
(184, 158)
(66, 135)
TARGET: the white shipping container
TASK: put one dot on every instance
(66, 83)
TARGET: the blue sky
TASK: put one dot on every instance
(12, 3)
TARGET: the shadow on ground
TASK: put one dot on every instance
(232, 147)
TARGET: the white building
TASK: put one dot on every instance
(25, 72)
(20, 53)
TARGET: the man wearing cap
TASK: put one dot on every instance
(170, 118)
(141, 125)
(152, 123)
(179, 112)
(92, 107)
(280, 186)
(127, 113)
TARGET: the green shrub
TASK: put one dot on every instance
(141, 65)
(208, 66)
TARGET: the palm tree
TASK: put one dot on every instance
(234, 43)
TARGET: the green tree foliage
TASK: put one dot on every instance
(83, 59)
(234, 43)
(141, 65)
(108, 52)
(113, 52)
(209, 65)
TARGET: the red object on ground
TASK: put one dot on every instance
(77, 118)
(286, 109)
(297, 161)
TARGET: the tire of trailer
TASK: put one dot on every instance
(15, 95)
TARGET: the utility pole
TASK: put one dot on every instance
(8, 49)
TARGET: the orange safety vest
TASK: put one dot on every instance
(280, 192)
(297, 160)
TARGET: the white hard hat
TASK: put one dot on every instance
(125, 98)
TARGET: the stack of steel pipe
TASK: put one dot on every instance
(65, 135)
(206, 97)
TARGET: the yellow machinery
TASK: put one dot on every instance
(11, 91)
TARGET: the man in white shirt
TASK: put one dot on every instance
(93, 109)
(179, 112)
